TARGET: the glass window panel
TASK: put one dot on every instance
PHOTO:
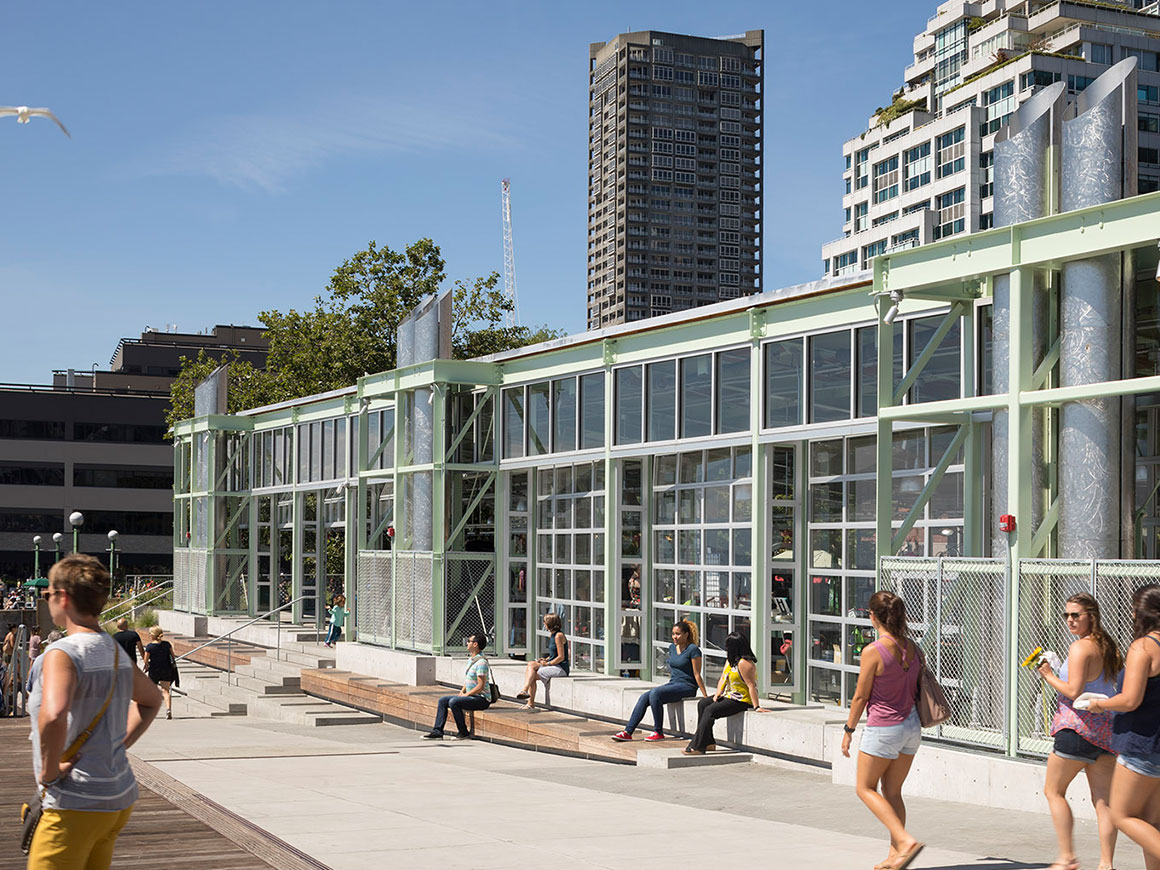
(666, 589)
(564, 414)
(946, 541)
(826, 502)
(692, 467)
(825, 595)
(517, 582)
(584, 477)
(630, 533)
(826, 458)
(830, 372)
(940, 440)
(939, 379)
(689, 546)
(592, 410)
(718, 464)
(583, 549)
(696, 396)
(906, 491)
(826, 548)
(716, 546)
(826, 642)
(583, 512)
(303, 453)
(743, 548)
(733, 390)
(665, 507)
(563, 548)
(781, 600)
(538, 421)
(867, 340)
(780, 657)
(858, 592)
(663, 550)
(717, 504)
(544, 548)
(518, 545)
(598, 577)
(742, 591)
(909, 450)
(513, 423)
(783, 383)
(858, 637)
(664, 632)
(316, 450)
(665, 469)
(662, 401)
(629, 395)
(915, 543)
(861, 455)
(861, 505)
(597, 511)
(689, 506)
(716, 629)
(742, 462)
(782, 485)
(544, 579)
(583, 624)
(826, 685)
(340, 448)
(563, 480)
(742, 503)
(630, 489)
(781, 533)
(860, 553)
(690, 588)
(563, 584)
(947, 501)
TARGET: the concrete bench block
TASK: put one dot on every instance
(175, 622)
(398, 666)
(670, 759)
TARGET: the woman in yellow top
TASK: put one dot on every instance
(736, 693)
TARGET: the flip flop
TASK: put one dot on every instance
(908, 858)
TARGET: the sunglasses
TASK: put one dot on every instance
(47, 594)
(1072, 615)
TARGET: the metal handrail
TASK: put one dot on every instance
(132, 597)
(227, 635)
(160, 594)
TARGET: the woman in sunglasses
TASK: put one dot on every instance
(1083, 739)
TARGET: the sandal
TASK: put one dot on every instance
(1073, 864)
(522, 696)
(907, 858)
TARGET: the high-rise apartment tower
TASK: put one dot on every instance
(674, 173)
(922, 170)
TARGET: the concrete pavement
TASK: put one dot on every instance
(362, 796)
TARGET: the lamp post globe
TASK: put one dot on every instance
(113, 535)
(57, 537)
(76, 520)
(36, 539)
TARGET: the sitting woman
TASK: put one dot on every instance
(736, 693)
(685, 666)
(554, 664)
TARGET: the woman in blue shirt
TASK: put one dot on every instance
(685, 667)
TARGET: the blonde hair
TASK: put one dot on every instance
(155, 632)
(690, 628)
(84, 579)
(122, 624)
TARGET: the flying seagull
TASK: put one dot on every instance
(24, 115)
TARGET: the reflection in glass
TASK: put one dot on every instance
(733, 390)
(564, 414)
(783, 383)
(696, 396)
(830, 377)
(825, 595)
(629, 396)
(592, 410)
(662, 400)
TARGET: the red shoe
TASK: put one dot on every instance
(622, 737)
(655, 736)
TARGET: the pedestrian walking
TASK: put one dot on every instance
(1135, 793)
(129, 640)
(553, 664)
(338, 615)
(85, 684)
(161, 666)
(736, 693)
(1082, 739)
(475, 694)
(684, 660)
(887, 686)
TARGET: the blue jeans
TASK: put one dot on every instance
(457, 704)
(656, 698)
(333, 633)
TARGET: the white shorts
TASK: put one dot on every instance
(890, 741)
(546, 672)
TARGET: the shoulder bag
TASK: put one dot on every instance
(931, 701)
(31, 811)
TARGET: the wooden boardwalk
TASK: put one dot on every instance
(172, 827)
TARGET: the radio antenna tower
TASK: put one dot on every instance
(509, 257)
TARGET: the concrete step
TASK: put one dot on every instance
(266, 675)
(262, 687)
(249, 696)
(340, 716)
(220, 702)
(307, 660)
(671, 759)
(264, 667)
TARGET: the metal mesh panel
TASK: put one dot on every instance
(373, 598)
(957, 608)
(469, 600)
(412, 605)
(1115, 583)
(198, 560)
(181, 594)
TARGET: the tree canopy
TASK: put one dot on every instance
(351, 330)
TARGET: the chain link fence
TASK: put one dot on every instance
(412, 604)
(181, 580)
(957, 609)
(198, 560)
(373, 598)
(469, 599)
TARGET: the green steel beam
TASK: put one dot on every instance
(1059, 395)
(426, 374)
(233, 520)
(1043, 533)
(483, 490)
(1043, 372)
(468, 424)
(936, 477)
(928, 352)
(945, 408)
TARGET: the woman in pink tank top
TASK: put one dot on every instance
(887, 686)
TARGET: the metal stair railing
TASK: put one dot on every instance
(229, 639)
(158, 591)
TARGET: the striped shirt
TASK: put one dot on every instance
(476, 668)
(101, 778)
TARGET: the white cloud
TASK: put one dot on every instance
(264, 151)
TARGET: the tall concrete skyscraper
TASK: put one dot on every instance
(922, 169)
(674, 173)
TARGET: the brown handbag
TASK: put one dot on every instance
(931, 701)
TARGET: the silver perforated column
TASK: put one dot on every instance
(1091, 323)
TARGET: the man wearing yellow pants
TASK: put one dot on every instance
(86, 686)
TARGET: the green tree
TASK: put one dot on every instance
(351, 330)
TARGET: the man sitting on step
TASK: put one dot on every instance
(475, 694)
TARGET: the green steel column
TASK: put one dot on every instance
(1019, 434)
(611, 542)
(438, 517)
(211, 523)
(760, 624)
(360, 516)
(971, 538)
(399, 433)
(295, 534)
(646, 569)
(799, 650)
(252, 557)
(884, 485)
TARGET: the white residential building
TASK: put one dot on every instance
(922, 170)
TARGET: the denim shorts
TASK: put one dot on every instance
(889, 741)
(1068, 744)
(1145, 765)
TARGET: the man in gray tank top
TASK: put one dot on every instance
(88, 799)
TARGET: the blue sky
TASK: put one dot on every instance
(226, 157)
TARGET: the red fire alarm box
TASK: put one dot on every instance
(1007, 523)
(390, 531)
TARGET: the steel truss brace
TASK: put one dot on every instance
(928, 490)
(472, 597)
(948, 321)
(459, 527)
